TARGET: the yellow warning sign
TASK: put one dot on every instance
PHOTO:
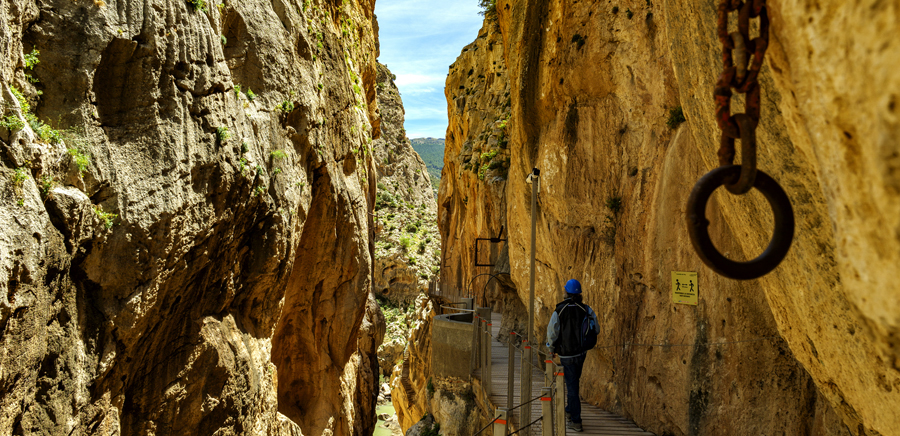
(684, 287)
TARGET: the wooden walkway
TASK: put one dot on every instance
(595, 420)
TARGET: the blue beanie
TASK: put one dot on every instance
(573, 287)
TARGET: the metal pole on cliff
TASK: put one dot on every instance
(535, 181)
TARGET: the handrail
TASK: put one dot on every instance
(456, 308)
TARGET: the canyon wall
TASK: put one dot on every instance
(810, 348)
(186, 239)
(407, 249)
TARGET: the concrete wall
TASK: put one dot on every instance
(451, 341)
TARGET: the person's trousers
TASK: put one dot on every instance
(572, 374)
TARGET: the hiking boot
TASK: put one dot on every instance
(568, 417)
(575, 426)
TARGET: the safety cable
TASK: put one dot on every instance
(485, 427)
(627, 344)
(529, 425)
(527, 402)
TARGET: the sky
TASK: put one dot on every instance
(419, 40)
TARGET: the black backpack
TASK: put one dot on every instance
(577, 330)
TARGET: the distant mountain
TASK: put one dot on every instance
(432, 152)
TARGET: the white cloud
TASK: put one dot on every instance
(419, 40)
(411, 80)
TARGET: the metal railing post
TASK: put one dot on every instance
(500, 422)
(511, 379)
(546, 412)
(560, 402)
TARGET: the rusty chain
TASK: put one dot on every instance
(742, 60)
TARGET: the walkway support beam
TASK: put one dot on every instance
(560, 402)
(511, 376)
(500, 422)
(547, 412)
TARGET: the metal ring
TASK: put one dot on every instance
(698, 225)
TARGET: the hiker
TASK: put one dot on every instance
(573, 330)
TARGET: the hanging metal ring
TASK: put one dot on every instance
(698, 225)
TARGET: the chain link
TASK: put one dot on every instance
(740, 74)
(742, 60)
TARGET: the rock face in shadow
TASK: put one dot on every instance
(194, 254)
(808, 349)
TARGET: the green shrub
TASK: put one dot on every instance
(12, 123)
(421, 246)
(237, 90)
(23, 102)
(286, 106)
(628, 13)
(615, 9)
(250, 95)
(223, 39)
(47, 184)
(198, 5)
(676, 117)
(278, 154)
(106, 217)
(19, 177)
(405, 242)
(411, 228)
(81, 160)
(31, 59)
(222, 134)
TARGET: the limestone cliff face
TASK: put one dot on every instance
(476, 164)
(407, 248)
(591, 85)
(190, 257)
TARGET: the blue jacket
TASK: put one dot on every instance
(553, 326)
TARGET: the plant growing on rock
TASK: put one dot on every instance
(222, 134)
(628, 13)
(47, 184)
(20, 175)
(81, 160)
(676, 117)
(12, 123)
(286, 106)
(197, 5)
(250, 94)
(105, 217)
(278, 154)
(31, 59)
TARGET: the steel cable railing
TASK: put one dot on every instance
(518, 342)
(529, 425)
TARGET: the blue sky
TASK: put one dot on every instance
(419, 40)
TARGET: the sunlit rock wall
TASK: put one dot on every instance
(808, 349)
(229, 292)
